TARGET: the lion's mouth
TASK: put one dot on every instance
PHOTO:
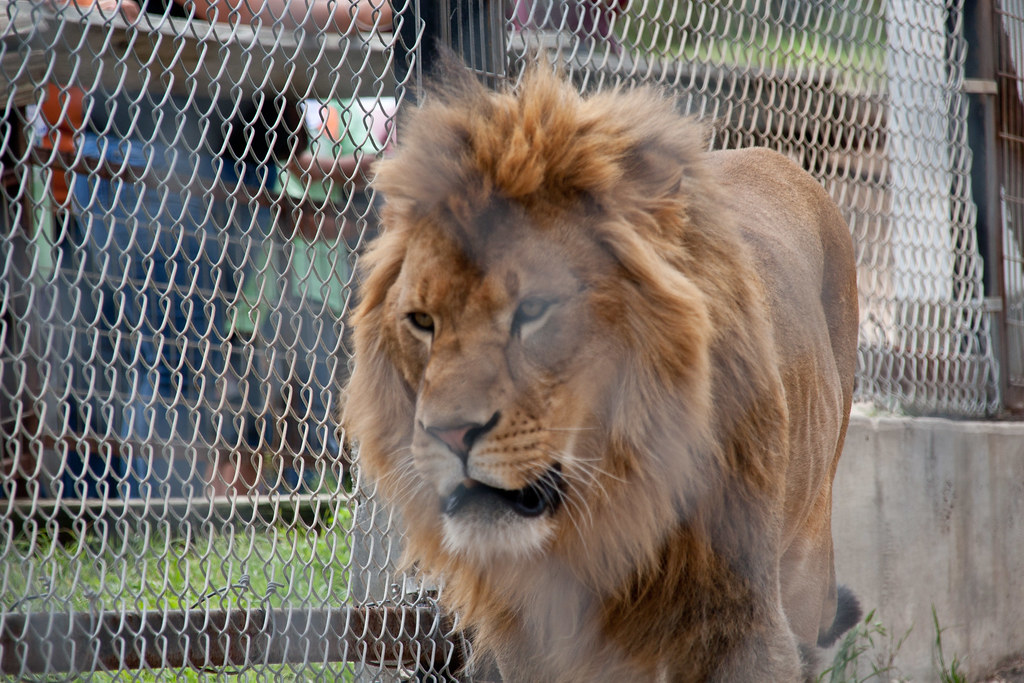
(543, 495)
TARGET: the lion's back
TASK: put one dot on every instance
(802, 249)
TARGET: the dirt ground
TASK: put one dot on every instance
(1010, 672)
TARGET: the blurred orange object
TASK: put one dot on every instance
(61, 110)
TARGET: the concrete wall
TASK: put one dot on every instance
(931, 512)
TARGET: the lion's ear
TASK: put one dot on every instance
(654, 148)
(653, 169)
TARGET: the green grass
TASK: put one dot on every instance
(851, 41)
(952, 672)
(870, 652)
(154, 569)
(245, 568)
(296, 672)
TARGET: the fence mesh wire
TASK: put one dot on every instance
(185, 197)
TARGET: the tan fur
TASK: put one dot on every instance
(693, 381)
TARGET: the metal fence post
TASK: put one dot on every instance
(981, 89)
(472, 29)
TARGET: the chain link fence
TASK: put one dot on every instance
(185, 195)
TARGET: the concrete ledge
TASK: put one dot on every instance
(930, 512)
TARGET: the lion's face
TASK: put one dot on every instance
(531, 362)
(498, 336)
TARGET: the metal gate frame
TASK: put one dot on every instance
(1000, 70)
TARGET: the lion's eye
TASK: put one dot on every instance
(530, 310)
(421, 321)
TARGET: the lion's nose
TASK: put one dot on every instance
(460, 438)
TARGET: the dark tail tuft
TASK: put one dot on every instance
(847, 615)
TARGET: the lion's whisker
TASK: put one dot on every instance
(404, 487)
(403, 477)
(574, 518)
(590, 465)
(592, 471)
(580, 504)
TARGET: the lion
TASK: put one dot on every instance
(604, 375)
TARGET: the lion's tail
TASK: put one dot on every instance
(847, 615)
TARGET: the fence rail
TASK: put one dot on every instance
(407, 638)
(183, 205)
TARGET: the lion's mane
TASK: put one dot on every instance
(670, 560)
